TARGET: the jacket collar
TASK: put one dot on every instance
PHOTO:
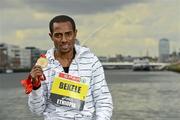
(80, 51)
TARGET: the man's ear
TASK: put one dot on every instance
(75, 32)
(50, 35)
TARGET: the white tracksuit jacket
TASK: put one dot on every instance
(98, 103)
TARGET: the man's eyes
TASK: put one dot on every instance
(66, 34)
(58, 35)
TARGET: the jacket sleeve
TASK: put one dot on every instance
(100, 92)
(37, 99)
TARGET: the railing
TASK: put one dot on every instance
(129, 65)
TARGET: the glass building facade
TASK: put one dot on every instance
(164, 50)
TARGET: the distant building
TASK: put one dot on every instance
(179, 54)
(128, 58)
(103, 58)
(25, 58)
(112, 59)
(13, 57)
(119, 58)
(34, 54)
(164, 50)
(9, 55)
(3, 56)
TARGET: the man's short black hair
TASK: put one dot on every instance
(61, 18)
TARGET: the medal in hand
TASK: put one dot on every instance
(42, 61)
(27, 83)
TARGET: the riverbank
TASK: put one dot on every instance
(136, 96)
(174, 67)
(14, 70)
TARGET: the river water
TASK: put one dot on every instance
(136, 96)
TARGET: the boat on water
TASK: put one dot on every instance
(8, 71)
(141, 64)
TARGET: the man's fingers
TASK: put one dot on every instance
(35, 79)
(37, 67)
(36, 75)
(36, 71)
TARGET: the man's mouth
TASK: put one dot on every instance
(65, 46)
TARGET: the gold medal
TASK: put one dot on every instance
(42, 61)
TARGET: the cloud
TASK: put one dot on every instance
(20, 35)
(77, 6)
(134, 28)
(116, 26)
(22, 20)
(10, 4)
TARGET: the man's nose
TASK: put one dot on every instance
(64, 38)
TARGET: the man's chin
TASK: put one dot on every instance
(65, 50)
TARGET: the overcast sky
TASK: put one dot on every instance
(107, 27)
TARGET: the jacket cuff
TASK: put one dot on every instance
(37, 92)
(36, 88)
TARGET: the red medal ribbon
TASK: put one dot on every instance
(29, 85)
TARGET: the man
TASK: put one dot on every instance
(68, 57)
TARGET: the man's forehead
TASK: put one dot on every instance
(62, 27)
(62, 32)
(62, 24)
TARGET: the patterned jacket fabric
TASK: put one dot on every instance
(98, 103)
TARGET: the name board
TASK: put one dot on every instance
(68, 91)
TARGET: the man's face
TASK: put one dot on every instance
(63, 36)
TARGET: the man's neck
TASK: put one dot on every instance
(64, 58)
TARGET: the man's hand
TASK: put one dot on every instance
(36, 73)
(33, 81)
